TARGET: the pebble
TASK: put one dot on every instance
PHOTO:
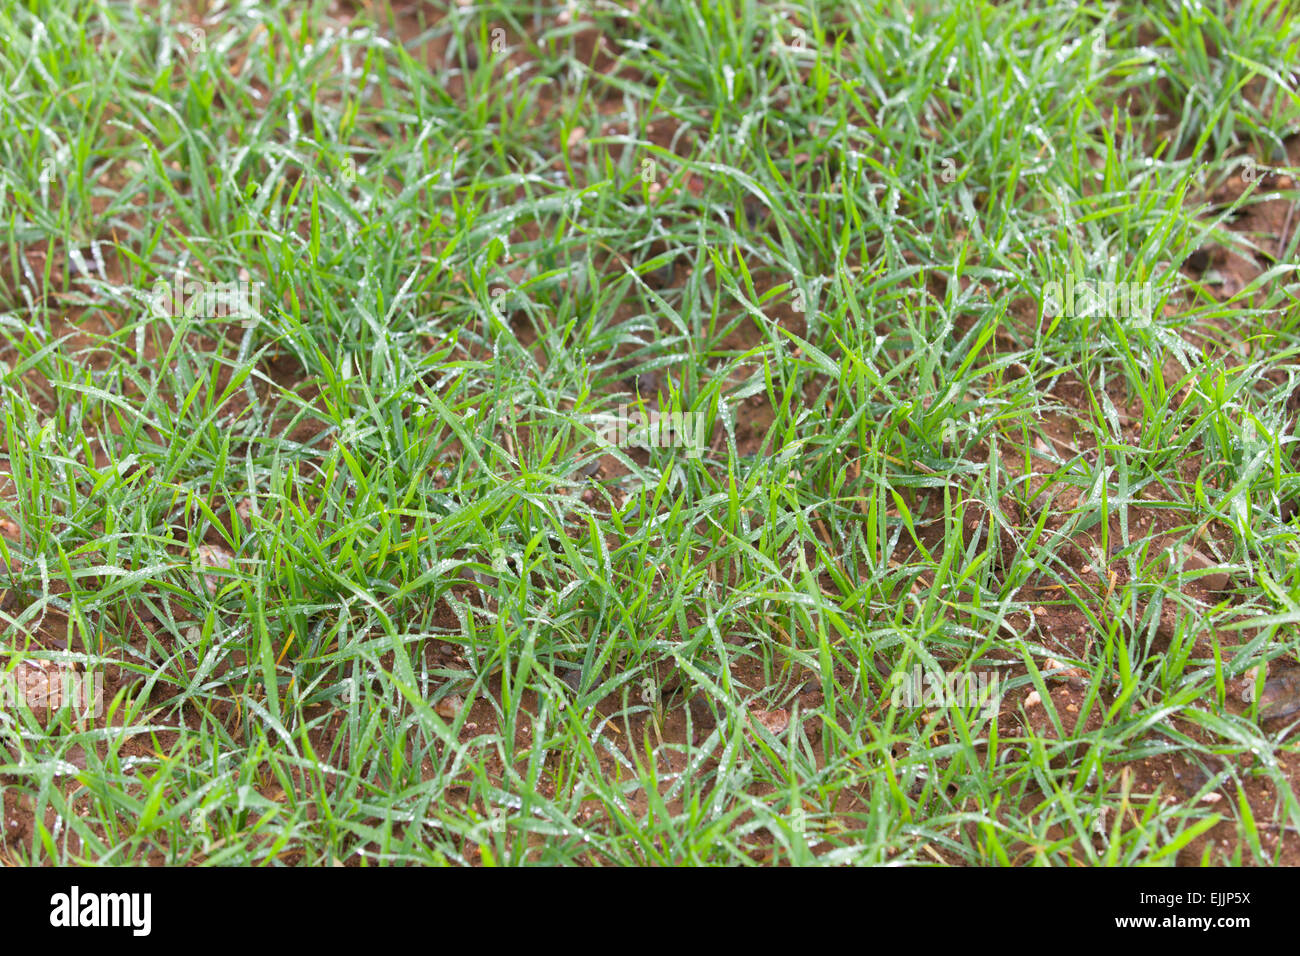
(1280, 696)
(1194, 560)
(576, 145)
(449, 707)
(774, 721)
(214, 556)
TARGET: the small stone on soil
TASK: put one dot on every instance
(449, 707)
(1281, 696)
(1194, 560)
(212, 556)
(774, 721)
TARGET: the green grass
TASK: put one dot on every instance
(474, 247)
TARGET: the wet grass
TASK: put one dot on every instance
(828, 229)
